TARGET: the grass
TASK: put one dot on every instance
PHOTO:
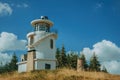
(59, 74)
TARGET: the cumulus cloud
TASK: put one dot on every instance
(4, 58)
(5, 9)
(112, 66)
(87, 52)
(9, 41)
(108, 54)
(107, 50)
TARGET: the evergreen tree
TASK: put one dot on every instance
(58, 57)
(68, 60)
(74, 60)
(94, 63)
(8, 67)
(85, 65)
(1, 69)
(12, 65)
(63, 57)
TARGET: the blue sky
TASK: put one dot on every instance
(81, 24)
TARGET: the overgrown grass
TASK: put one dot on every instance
(59, 74)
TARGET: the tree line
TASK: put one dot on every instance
(70, 61)
(63, 60)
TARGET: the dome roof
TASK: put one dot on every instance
(44, 19)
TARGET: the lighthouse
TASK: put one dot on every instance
(41, 47)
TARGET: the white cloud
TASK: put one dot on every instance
(107, 52)
(87, 52)
(4, 58)
(112, 66)
(9, 41)
(5, 9)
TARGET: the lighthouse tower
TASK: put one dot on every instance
(41, 47)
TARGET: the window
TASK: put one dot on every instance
(31, 39)
(47, 29)
(22, 59)
(47, 66)
(36, 27)
(41, 28)
(51, 43)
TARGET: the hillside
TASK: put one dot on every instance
(60, 74)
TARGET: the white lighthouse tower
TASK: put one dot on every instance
(41, 47)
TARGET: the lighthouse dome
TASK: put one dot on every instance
(43, 19)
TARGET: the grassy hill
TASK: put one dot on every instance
(60, 74)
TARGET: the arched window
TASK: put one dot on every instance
(51, 43)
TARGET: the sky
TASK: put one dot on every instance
(86, 26)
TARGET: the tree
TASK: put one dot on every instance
(63, 57)
(68, 60)
(8, 67)
(58, 57)
(72, 60)
(85, 65)
(94, 63)
(12, 65)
